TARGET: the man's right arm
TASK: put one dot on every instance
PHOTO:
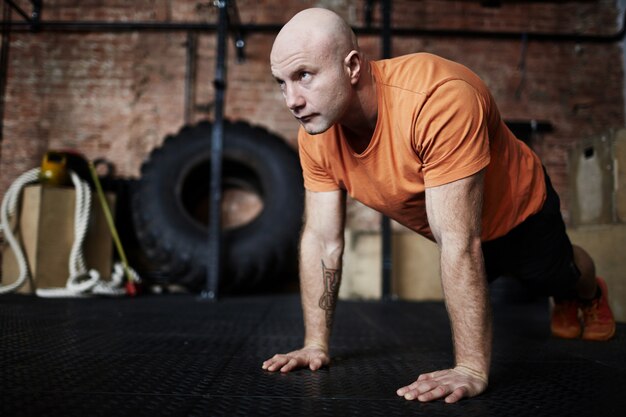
(321, 250)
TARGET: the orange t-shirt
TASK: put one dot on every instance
(437, 123)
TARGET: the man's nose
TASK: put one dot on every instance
(293, 98)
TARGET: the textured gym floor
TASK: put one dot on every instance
(173, 355)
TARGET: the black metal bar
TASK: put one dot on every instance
(235, 26)
(19, 10)
(240, 45)
(217, 142)
(386, 248)
(99, 26)
(4, 65)
(62, 26)
(190, 75)
(36, 15)
(496, 35)
(369, 12)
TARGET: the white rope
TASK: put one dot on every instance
(82, 208)
(92, 286)
(9, 208)
(81, 282)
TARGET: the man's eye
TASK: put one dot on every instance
(305, 75)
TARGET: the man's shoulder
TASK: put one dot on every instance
(415, 61)
(413, 58)
(421, 72)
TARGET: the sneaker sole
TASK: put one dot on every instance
(599, 337)
(561, 334)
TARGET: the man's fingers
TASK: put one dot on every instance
(456, 395)
(411, 387)
(270, 365)
(429, 392)
(311, 358)
(448, 384)
(421, 390)
(267, 364)
(315, 364)
(402, 391)
(275, 363)
(291, 364)
(420, 386)
(434, 393)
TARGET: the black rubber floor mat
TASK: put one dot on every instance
(178, 356)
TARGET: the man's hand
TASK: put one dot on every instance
(313, 357)
(453, 384)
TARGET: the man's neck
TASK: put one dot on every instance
(359, 127)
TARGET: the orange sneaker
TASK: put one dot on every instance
(565, 322)
(598, 320)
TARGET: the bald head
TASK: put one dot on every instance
(315, 30)
(317, 64)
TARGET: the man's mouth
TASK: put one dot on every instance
(304, 119)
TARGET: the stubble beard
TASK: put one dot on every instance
(316, 129)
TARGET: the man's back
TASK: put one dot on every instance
(437, 123)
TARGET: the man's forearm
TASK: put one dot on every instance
(467, 300)
(320, 277)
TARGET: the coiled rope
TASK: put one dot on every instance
(9, 208)
(81, 282)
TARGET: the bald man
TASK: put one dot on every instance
(420, 139)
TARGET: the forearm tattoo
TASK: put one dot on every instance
(331, 279)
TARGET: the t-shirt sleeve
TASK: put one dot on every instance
(451, 136)
(316, 178)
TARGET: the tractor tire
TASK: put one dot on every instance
(262, 206)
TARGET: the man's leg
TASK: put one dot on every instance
(565, 321)
(598, 321)
(587, 285)
(540, 254)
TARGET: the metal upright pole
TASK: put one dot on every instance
(217, 140)
(385, 222)
(190, 76)
(4, 64)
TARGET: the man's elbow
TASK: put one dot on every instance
(330, 246)
(461, 245)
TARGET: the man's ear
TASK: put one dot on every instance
(352, 63)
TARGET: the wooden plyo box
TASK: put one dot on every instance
(46, 231)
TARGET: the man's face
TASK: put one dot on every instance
(314, 83)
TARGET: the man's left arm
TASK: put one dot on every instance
(454, 213)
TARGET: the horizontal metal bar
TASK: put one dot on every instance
(496, 35)
(62, 26)
(95, 26)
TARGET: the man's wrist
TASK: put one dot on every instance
(316, 344)
(472, 371)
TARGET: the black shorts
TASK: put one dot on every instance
(537, 252)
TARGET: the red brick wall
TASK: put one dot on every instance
(117, 95)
